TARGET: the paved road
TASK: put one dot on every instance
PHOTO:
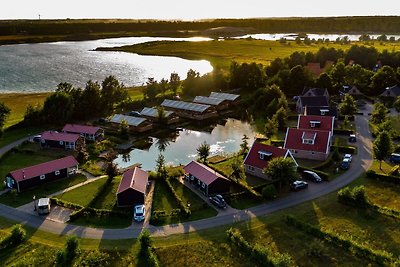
(361, 162)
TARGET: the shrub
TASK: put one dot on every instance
(354, 197)
(17, 236)
(269, 192)
(383, 177)
(146, 250)
(71, 248)
(95, 258)
(60, 258)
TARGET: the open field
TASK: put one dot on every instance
(11, 135)
(222, 53)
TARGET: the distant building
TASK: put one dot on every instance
(321, 123)
(314, 68)
(91, 133)
(152, 115)
(321, 111)
(311, 91)
(60, 140)
(41, 173)
(218, 103)
(393, 91)
(136, 124)
(304, 101)
(132, 188)
(260, 155)
(190, 110)
(232, 98)
(351, 90)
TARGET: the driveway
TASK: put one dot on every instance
(361, 162)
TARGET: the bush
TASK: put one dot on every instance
(345, 149)
(95, 258)
(383, 177)
(355, 197)
(146, 250)
(17, 236)
(269, 192)
(60, 258)
(71, 248)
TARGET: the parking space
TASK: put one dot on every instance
(57, 213)
(148, 203)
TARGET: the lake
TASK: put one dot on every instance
(41, 67)
(224, 138)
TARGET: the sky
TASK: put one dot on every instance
(192, 10)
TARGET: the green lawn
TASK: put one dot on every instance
(163, 198)
(28, 155)
(15, 199)
(12, 135)
(83, 194)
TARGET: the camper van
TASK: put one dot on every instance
(43, 206)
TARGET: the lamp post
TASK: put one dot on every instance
(34, 202)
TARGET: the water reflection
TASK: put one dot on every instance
(180, 147)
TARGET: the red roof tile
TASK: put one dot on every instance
(253, 157)
(136, 179)
(326, 122)
(78, 128)
(294, 140)
(203, 172)
(314, 68)
(43, 168)
(56, 136)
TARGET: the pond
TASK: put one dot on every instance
(224, 138)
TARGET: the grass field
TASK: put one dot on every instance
(221, 53)
(11, 135)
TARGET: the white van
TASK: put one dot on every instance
(43, 206)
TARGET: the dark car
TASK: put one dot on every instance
(345, 165)
(298, 185)
(218, 201)
(312, 176)
(395, 158)
(352, 138)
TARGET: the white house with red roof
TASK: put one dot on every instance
(308, 144)
(208, 181)
(60, 140)
(41, 173)
(91, 133)
(132, 188)
(260, 154)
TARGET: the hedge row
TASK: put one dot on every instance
(324, 176)
(342, 132)
(158, 217)
(327, 163)
(99, 213)
(184, 208)
(383, 177)
(65, 204)
(261, 254)
(345, 149)
(381, 257)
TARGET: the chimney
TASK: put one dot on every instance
(23, 174)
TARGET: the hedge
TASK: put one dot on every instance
(342, 132)
(383, 177)
(277, 142)
(65, 204)
(379, 256)
(263, 255)
(184, 208)
(345, 149)
(324, 176)
(99, 213)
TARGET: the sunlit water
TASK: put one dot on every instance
(223, 139)
(40, 67)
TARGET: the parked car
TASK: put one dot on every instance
(36, 138)
(352, 138)
(139, 212)
(218, 201)
(395, 158)
(312, 176)
(297, 185)
(348, 156)
(345, 165)
(43, 206)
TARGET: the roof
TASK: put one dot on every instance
(56, 136)
(208, 100)
(135, 179)
(153, 112)
(310, 91)
(45, 201)
(326, 122)
(225, 96)
(314, 68)
(253, 157)
(132, 121)
(316, 110)
(394, 90)
(184, 105)
(294, 140)
(78, 128)
(314, 101)
(44, 168)
(203, 172)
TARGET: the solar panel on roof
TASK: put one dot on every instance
(153, 112)
(225, 96)
(132, 121)
(184, 105)
(208, 100)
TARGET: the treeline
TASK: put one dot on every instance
(376, 24)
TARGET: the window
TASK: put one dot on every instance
(42, 177)
(61, 142)
(57, 172)
(250, 168)
(308, 141)
(203, 185)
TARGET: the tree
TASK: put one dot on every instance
(58, 108)
(348, 105)
(203, 151)
(161, 115)
(4, 113)
(160, 167)
(151, 90)
(382, 147)
(33, 115)
(282, 170)
(388, 127)
(237, 168)
(163, 86)
(174, 82)
(244, 146)
(338, 74)
(383, 78)
(111, 167)
(379, 113)
(112, 92)
(124, 129)
(88, 102)
(396, 105)
(324, 81)
(271, 127)
(281, 117)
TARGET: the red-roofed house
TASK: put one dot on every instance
(314, 68)
(208, 181)
(91, 133)
(60, 140)
(260, 154)
(321, 123)
(42, 173)
(308, 144)
(132, 188)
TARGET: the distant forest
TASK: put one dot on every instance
(376, 24)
